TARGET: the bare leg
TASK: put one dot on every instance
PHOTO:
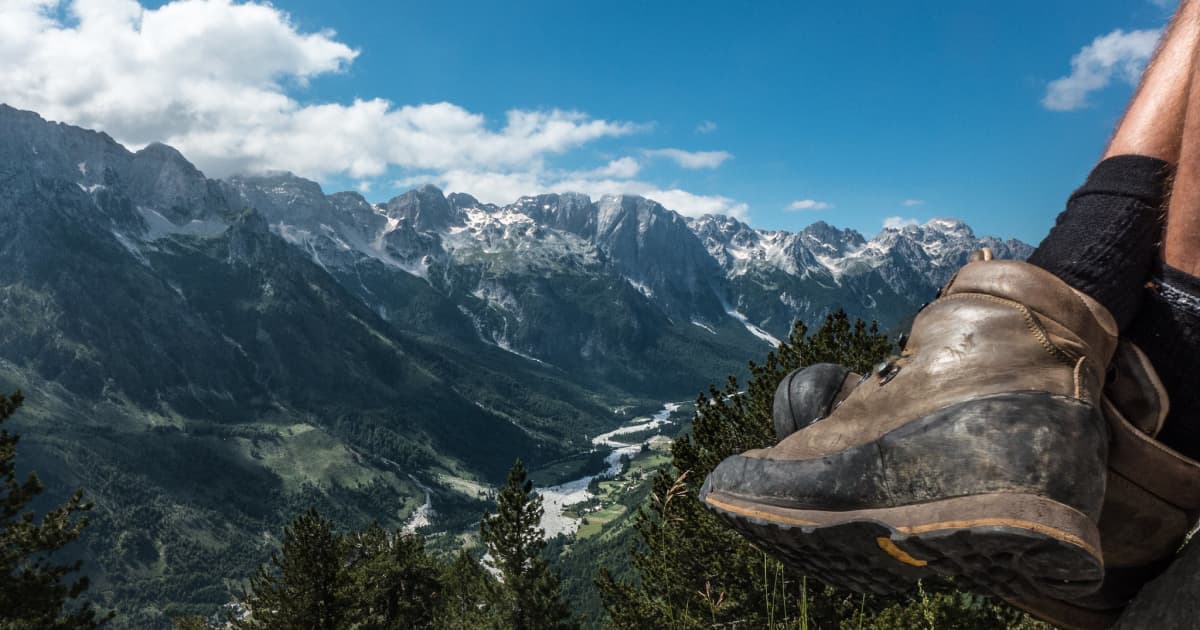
(1167, 327)
(1181, 243)
(1154, 121)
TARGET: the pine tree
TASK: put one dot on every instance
(391, 582)
(35, 591)
(302, 586)
(469, 595)
(530, 596)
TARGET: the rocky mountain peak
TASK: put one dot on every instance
(162, 179)
(570, 212)
(165, 153)
(57, 150)
(349, 201)
(281, 197)
(828, 240)
(425, 209)
(462, 201)
(950, 227)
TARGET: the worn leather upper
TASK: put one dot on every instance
(1000, 326)
(1153, 491)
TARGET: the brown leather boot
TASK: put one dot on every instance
(1152, 501)
(980, 452)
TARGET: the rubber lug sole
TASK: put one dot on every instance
(1013, 545)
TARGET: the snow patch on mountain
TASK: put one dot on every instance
(754, 330)
(641, 287)
(929, 250)
(689, 268)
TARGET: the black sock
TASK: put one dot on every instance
(1168, 330)
(1105, 242)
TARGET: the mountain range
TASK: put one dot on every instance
(208, 357)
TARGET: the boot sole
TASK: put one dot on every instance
(1014, 545)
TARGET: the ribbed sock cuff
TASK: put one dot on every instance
(1104, 243)
(1138, 176)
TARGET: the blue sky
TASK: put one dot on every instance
(844, 110)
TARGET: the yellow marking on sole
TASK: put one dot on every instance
(892, 550)
(1052, 532)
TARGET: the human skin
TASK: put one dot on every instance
(1181, 239)
(1153, 123)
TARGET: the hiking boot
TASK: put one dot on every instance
(980, 452)
(1152, 501)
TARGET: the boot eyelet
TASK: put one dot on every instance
(886, 371)
(886, 378)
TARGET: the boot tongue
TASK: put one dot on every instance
(1046, 295)
(1135, 389)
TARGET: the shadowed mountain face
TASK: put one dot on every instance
(207, 358)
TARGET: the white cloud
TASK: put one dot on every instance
(809, 204)
(507, 187)
(691, 159)
(898, 222)
(908, 203)
(707, 126)
(216, 79)
(625, 168)
(1120, 54)
(211, 78)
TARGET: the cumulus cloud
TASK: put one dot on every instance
(809, 204)
(209, 77)
(217, 78)
(504, 188)
(625, 167)
(707, 126)
(896, 223)
(908, 203)
(691, 159)
(1118, 54)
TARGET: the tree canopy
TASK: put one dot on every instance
(37, 590)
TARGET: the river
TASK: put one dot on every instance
(556, 498)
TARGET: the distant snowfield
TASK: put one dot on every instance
(557, 498)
